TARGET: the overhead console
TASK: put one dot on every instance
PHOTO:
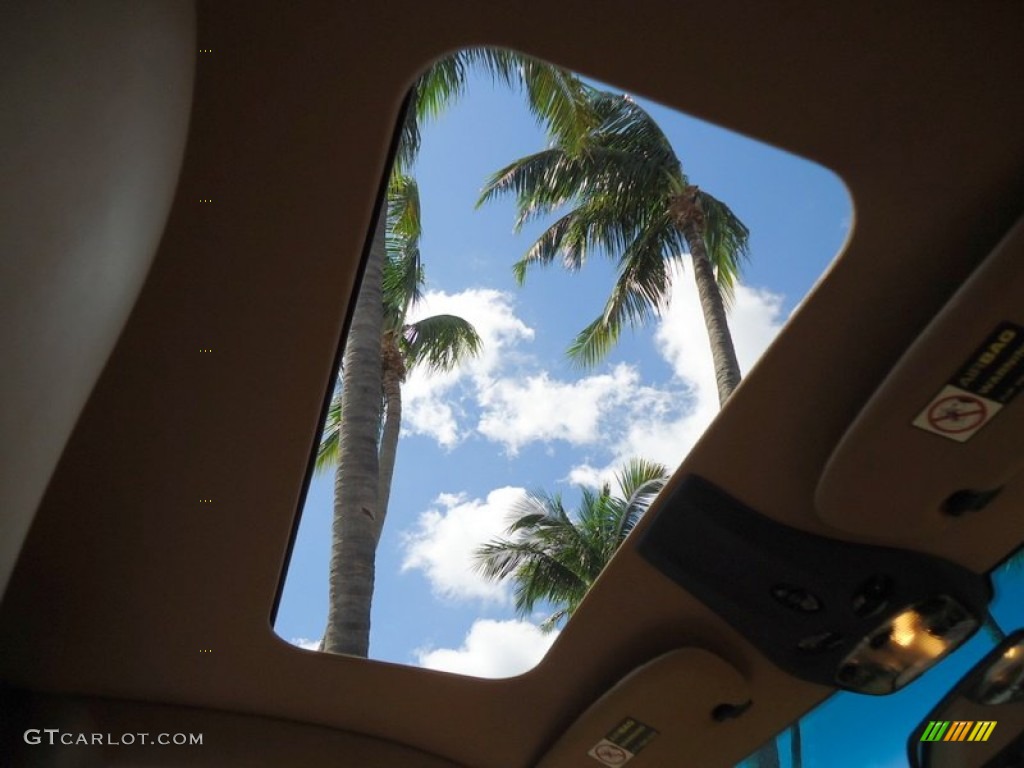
(865, 618)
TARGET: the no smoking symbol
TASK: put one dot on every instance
(957, 413)
(610, 754)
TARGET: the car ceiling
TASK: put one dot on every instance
(123, 576)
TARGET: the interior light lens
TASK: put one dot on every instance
(906, 645)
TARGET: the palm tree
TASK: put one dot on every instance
(630, 199)
(362, 478)
(553, 556)
(439, 343)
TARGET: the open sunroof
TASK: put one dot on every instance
(555, 396)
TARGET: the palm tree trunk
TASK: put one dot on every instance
(727, 377)
(796, 746)
(355, 530)
(393, 373)
(723, 353)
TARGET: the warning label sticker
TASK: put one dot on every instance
(996, 370)
(610, 754)
(623, 743)
(957, 414)
(987, 382)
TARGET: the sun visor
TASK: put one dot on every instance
(942, 435)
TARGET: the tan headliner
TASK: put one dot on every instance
(124, 576)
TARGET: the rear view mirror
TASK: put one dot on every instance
(980, 722)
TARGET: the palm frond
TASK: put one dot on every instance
(541, 182)
(403, 199)
(535, 508)
(327, 451)
(608, 217)
(619, 181)
(546, 180)
(640, 482)
(544, 554)
(727, 241)
(593, 344)
(640, 292)
(444, 81)
(553, 556)
(626, 128)
(545, 579)
(403, 278)
(561, 238)
(551, 622)
(501, 558)
(558, 99)
(439, 342)
(409, 137)
(401, 283)
(539, 570)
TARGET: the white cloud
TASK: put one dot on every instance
(589, 476)
(516, 403)
(492, 649)
(537, 408)
(445, 537)
(755, 318)
(305, 642)
(424, 413)
(612, 415)
(428, 397)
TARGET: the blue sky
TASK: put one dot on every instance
(520, 417)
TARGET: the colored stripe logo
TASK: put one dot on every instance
(958, 730)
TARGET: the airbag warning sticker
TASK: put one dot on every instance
(987, 382)
(623, 743)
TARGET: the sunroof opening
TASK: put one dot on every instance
(531, 355)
